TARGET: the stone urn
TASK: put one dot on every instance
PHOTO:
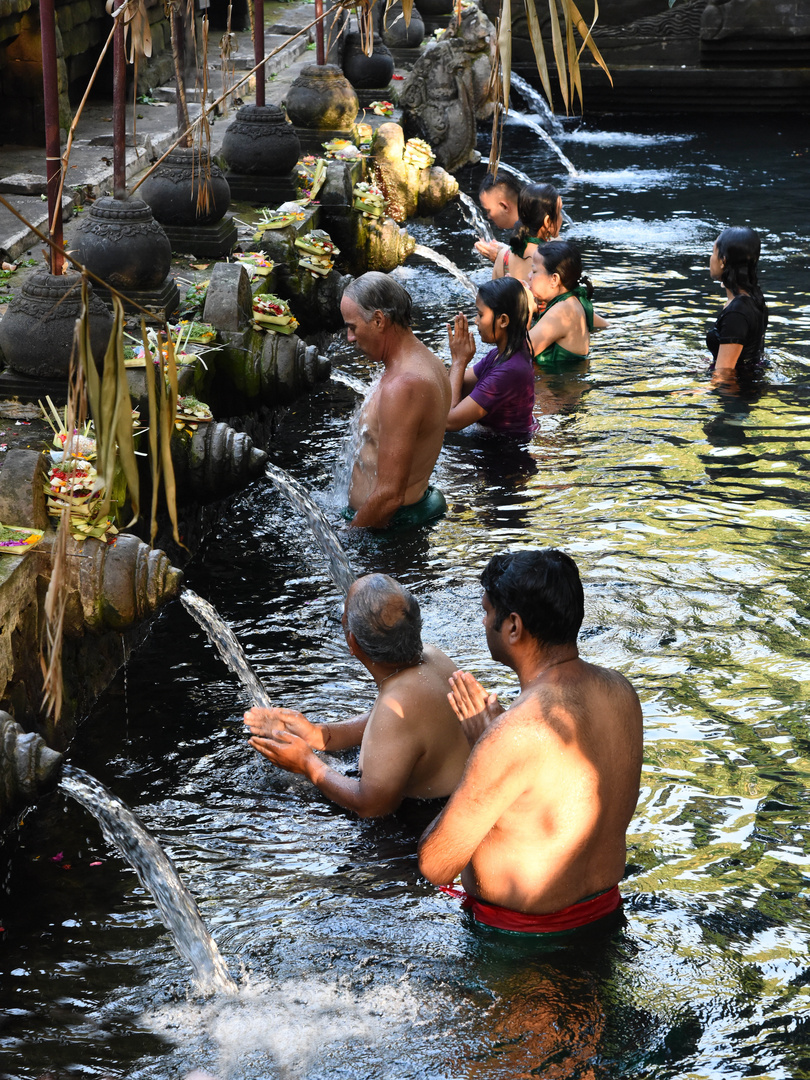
(174, 187)
(36, 333)
(396, 33)
(121, 243)
(261, 142)
(367, 72)
(322, 99)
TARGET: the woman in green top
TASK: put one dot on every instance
(562, 330)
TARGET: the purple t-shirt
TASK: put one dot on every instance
(506, 391)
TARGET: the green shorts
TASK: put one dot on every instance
(431, 506)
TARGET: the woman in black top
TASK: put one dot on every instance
(737, 339)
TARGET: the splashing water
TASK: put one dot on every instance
(309, 1018)
(223, 638)
(536, 101)
(351, 381)
(530, 122)
(447, 264)
(340, 571)
(474, 217)
(156, 872)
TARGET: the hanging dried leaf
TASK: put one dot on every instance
(587, 40)
(536, 38)
(559, 54)
(505, 49)
(50, 657)
(573, 57)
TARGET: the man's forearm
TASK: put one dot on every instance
(378, 509)
(345, 791)
(435, 861)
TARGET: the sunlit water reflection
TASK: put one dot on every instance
(688, 513)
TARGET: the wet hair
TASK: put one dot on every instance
(379, 292)
(560, 257)
(535, 203)
(507, 296)
(385, 620)
(504, 179)
(543, 587)
(739, 248)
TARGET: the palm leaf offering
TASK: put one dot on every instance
(15, 540)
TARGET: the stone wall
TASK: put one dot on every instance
(82, 29)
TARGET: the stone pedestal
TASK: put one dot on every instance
(205, 241)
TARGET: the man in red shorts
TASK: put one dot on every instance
(537, 826)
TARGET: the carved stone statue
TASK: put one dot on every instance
(438, 102)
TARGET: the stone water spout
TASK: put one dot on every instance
(214, 461)
(117, 585)
(28, 766)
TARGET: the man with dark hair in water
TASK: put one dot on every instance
(537, 826)
(402, 423)
(411, 744)
(498, 196)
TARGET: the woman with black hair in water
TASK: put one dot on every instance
(540, 218)
(498, 391)
(737, 339)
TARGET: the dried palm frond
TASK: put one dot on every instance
(161, 394)
(202, 139)
(50, 655)
(110, 405)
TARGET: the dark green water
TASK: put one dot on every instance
(688, 514)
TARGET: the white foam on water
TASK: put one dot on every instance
(284, 1029)
(620, 138)
(635, 232)
(627, 178)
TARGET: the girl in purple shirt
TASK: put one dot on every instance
(498, 391)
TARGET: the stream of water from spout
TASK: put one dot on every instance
(530, 122)
(448, 265)
(156, 871)
(338, 565)
(226, 644)
(351, 381)
(474, 217)
(535, 100)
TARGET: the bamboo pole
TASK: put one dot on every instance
(53, 147)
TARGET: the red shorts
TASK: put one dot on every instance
(580, 914)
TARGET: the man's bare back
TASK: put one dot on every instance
(411, 744)
(564, 746)
(539, 819)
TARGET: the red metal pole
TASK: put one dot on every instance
(320, 52)
(258, 48)
(53, 146)
(119, 113)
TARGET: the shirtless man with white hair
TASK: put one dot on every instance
(402, 424)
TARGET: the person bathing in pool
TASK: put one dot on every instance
(498, 391)
(540, 219)
(411, 744)
(562, 330)
(737, 339)
(537, 826)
